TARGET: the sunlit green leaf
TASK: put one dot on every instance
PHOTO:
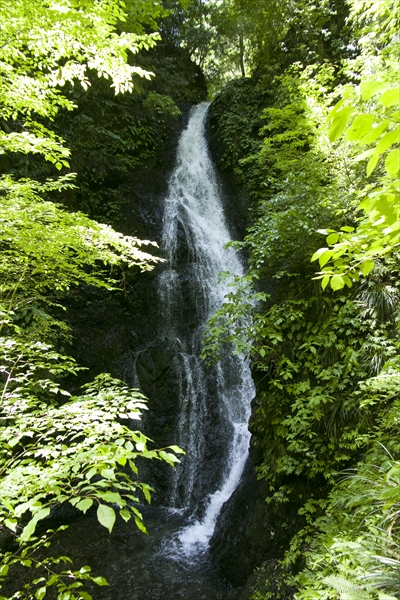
(337, 282)
(101, 581)
(391, 97)
(84, 504)
(392, 162)
(106, 516)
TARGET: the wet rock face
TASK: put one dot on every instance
(249, 531)
(268, 581)
(122, 333)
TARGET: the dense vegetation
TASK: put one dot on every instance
(308, 122)
(315, 143)
(58, 449)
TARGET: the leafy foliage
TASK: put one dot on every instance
(353, 250)
(56, 449)
(318, 153)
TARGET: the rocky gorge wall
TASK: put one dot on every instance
(119, 333)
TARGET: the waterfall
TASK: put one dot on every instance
(214, 402)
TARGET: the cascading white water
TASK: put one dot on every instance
(194, 237)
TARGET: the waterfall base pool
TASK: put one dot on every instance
(139, 566)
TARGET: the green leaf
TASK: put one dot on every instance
(325, 281)
(100, 581)
(85, 569)
(375, 132)
(390, 138)
(369, 89)
(29, 529)
(318, 253)
(11, 524)
(373, 161)
(91, 473)
(108, 473)
(168, 457)
(332, 238)
(140, 525)
(147, 492)
(337, 282)
(40, 593)
(325, 257)
(106, 516)
(391, 97)
(392, 162)
(125, 514)
(176, 449)
(361, 125)
(339, 122)
(366, 267)
(84, 504)
(26, 563)
(112, 497)
(366, 154)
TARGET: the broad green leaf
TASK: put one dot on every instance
(91, 473)
(325, 257)
(337, 282)
(106, 516)
(100, 581)
(325, 281)
(168, 457)
(366, 267)
(108, 473)
(85, 569)
(375, 132)
(348, 281)
(373, 161)
(394, 473)
(318, 253)
(366, 154)
(339, 122)
(360, 127)
(147, 492)
(392, 162)
(369, 89)
(390, 138)
(4, 570)
(125, 514)
(84, 504)
(26, 563)
(112, 497)
(40, 593)
(29, 529)
(332, 238)
(391, 97)
(11, 524)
